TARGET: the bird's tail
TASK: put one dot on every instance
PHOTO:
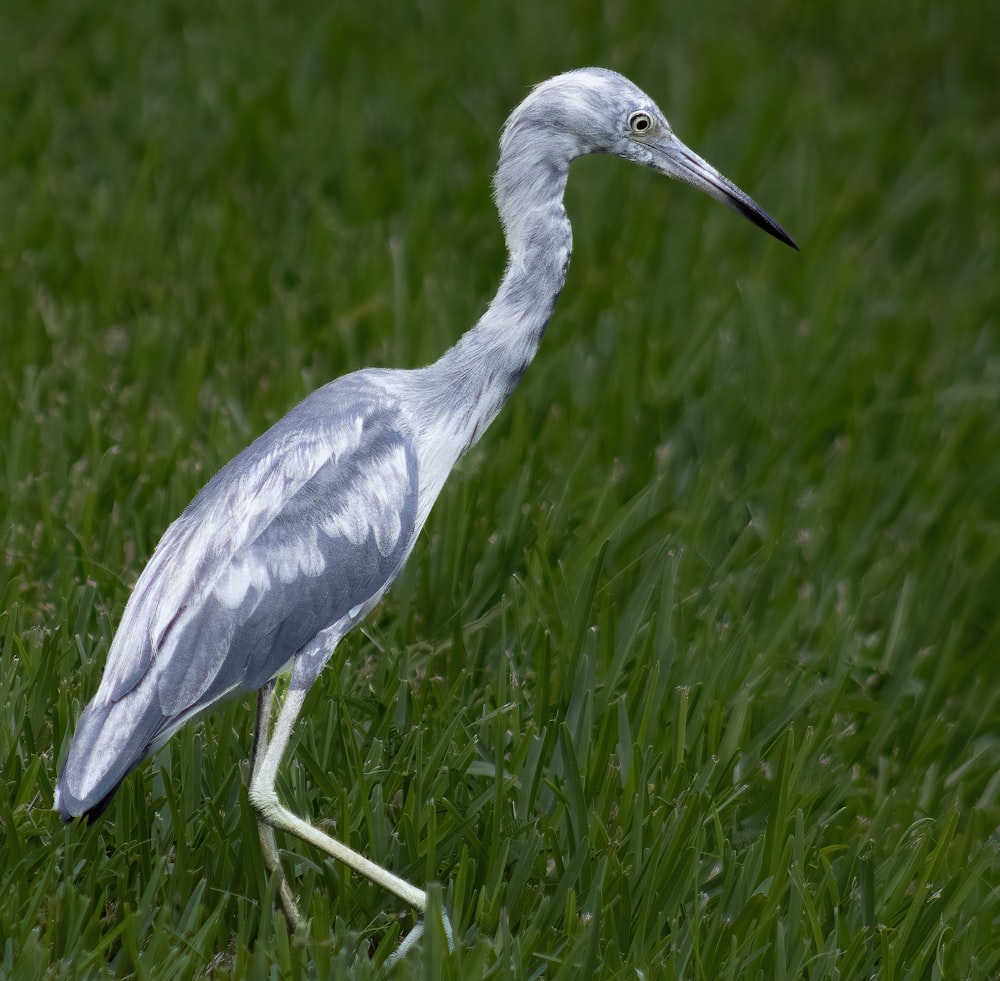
(111, 740)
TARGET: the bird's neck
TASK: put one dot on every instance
(482, 370)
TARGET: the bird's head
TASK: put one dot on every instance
(594, 110)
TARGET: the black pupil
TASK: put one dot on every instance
(641, 123)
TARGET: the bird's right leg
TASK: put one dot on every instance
(268, 847)
(273, 814)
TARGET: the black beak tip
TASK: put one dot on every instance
(763, 220)
(783, 236)
(786, 238)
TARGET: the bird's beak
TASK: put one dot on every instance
(674, 159)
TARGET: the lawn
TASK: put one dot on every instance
(694, 671)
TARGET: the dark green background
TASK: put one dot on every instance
(694, 671)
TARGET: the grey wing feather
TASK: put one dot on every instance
(304, 529)
(335, 544)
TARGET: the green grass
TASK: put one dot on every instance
(694, 672)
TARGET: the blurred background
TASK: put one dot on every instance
(694, 671)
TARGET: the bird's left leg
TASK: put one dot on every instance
(268, 847)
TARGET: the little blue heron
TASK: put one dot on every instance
(293, 542)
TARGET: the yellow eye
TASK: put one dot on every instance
(640, 122)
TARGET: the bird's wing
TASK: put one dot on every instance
(303, 530)
(306, 524)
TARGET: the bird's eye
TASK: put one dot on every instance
(640, 122)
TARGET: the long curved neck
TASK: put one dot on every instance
(475, 378)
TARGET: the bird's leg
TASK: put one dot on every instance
(268, 847)
(271, 812)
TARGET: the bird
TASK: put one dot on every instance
(295, 540)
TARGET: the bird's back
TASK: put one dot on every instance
(276, 558)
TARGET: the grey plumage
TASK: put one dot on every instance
(296, 534)
(297, 538)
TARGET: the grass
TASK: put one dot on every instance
(694, 670)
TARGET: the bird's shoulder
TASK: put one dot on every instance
(340, 431)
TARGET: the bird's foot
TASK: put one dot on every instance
(412, 938)
(406, 944)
